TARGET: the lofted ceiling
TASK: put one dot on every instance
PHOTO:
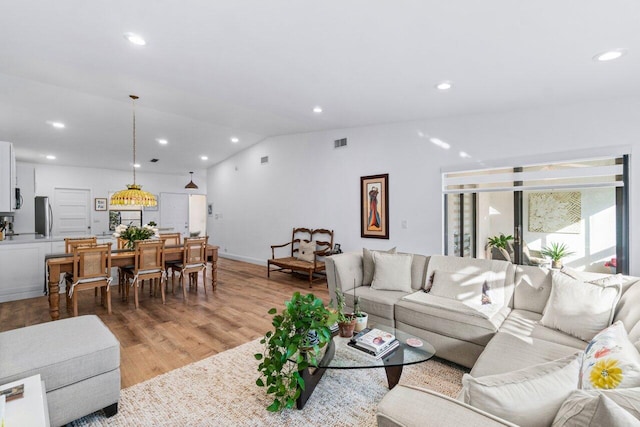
(213, 70)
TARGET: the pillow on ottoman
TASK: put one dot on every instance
(528, 397)
(580, 309)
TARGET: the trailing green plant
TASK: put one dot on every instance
(300, 331)
(556, 251)
(500, 241)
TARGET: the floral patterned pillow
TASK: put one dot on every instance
(610, 361)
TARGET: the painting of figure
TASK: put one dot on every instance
(375, 206)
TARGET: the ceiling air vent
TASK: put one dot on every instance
(264, 159)
(154, 160)
(339, 143)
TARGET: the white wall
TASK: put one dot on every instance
(309, 183)
(40, 180)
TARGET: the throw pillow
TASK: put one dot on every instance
(603, 281)
(600, 408)
(368, 266)
(610, 361)
(305, 251)
(458, 286)
(392, 272)
(528, 397)
(580, 309)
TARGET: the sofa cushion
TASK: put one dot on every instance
(610, 361)
(538, 391)
(78, 348)
(581, 309)
(525, 325)
(306, 251)
(532, 288)
(392, 272)
(375, 302)
(449, 317)
(368, 266)
(597, 409)
(458, 286)
(582, 407)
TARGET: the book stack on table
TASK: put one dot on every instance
(375, 342)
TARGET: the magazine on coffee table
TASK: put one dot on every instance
(374, 341)
(379, 355)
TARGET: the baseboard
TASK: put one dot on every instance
(262, 262)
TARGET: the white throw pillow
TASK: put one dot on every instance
(527, 397)
(610, 361)
(392, 272)
(306, 251)
(600, 408)
(580, 309)
(458, 286)
(367, 264)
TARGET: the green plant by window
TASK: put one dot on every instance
(556, 251)
(300, 331)
(500, 241)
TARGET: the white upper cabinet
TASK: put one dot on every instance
(7, 177)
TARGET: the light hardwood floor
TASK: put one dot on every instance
(157, 338)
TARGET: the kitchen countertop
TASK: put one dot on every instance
(33, 238)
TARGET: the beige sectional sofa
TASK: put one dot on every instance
(506, 339)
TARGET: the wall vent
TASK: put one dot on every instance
(154, 160)
(264, 159)
(339, 143)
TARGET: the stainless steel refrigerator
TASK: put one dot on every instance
(44, 216)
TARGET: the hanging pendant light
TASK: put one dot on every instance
(191, 185)
(133, 195)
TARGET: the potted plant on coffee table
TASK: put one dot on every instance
(346, 322)
(556, 251)
(300, 331)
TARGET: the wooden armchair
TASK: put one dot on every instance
(308, 249)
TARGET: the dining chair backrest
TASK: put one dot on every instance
(122, 243)
(194, 250)
(149, 255)
(171, 239)
(72, 242)
(91, 261)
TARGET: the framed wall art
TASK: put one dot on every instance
(100, 204)
(374, 206)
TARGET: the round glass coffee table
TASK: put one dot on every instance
(340, 355)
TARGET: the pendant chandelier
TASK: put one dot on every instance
(133, 195)
(191, 185)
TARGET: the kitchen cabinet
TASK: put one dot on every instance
(7, 177)
(22, 271)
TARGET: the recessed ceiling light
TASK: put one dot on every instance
(446, 85)
(464, 155)
(57, 125)
(440, 143)
(136, 165)
(610, 55)
(204, 157)
(162, 141)
(135, 39)
(234, 139)
(317, 109)
(51, 157)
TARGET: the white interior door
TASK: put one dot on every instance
(71, 212)
(198, 214)
(174, 213)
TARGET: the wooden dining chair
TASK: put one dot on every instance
(91, 270)
(171, 239)
(194, 260)
(122, 244)
(73, 242)
(148, 265)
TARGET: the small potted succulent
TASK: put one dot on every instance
(556, 251)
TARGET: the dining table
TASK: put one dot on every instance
(57, 264)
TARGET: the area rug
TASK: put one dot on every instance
(221, 391)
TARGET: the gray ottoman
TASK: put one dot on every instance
(78, 360)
